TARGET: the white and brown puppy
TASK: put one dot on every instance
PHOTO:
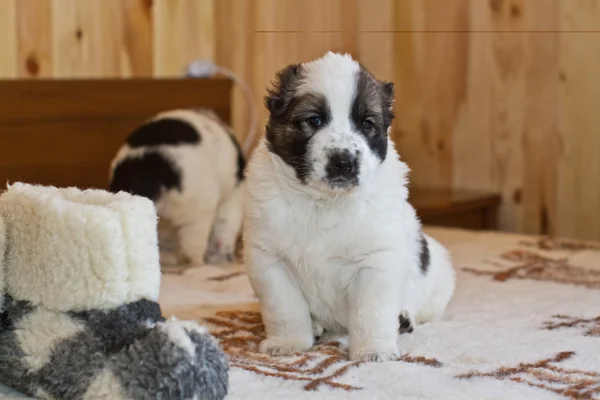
(331, 242)
(190, 164)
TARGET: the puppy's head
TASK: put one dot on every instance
(329, 121)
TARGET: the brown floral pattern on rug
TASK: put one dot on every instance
(545, 374)
(225, 277)
(240, 333)
(591, 325)
(524, 264)
(550, 244)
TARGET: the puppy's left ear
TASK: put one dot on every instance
(388, 91)
(283, 89)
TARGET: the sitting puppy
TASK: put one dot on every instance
(190, 164)
(330, 240)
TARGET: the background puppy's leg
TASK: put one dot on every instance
(193, 237)
(227, 228)
(374, 310)
(284, 310)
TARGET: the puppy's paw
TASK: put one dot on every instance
(219, 253)
(317, 329)
(280, 346)
(219, 258)
(386, 353)
(406, 323)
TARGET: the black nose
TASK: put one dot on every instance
(343, 163)
(343, 166)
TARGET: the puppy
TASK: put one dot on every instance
(330, 241)
(190, 164)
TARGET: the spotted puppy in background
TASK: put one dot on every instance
(190, 164)
(331, 243)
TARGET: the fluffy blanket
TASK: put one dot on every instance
(524, 324)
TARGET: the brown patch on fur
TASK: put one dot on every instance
(240, 333)
(544, 374)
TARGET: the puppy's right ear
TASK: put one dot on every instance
(286, 82)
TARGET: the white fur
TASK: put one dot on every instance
(69, 249)
(39, 331)
(340, 260)
(206, 216)
(105, 386)
(178, 332)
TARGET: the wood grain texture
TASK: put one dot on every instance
(8, 39)
(87, 38)
(492, 95)
(139, 37)
(578, 164)
(34, 33)
(184, 31)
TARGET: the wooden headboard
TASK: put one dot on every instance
(66, 132)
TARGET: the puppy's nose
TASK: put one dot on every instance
(343, 163)
(342, 166)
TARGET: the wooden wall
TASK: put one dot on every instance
(492, 94)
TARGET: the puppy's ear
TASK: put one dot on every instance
(280, 96)
(388, 92)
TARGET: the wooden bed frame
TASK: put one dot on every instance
(66, 132)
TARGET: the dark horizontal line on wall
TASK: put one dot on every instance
(420, 31)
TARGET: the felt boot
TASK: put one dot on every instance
(79, 318)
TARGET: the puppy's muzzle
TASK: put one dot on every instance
(342, 169)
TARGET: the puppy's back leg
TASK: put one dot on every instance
(193, 237)
(192, 217)
(227, 228)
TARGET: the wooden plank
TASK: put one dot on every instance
(34, 30)
(578, 164)
(139, 37)
(91, 99)
(540, 132)
(87, 38)
(98, 142)
(8, 39)
(235, 50)
(434, 67)
(375, 37)
(183, 32)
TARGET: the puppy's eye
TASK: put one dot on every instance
(367, 125)
(315, 121)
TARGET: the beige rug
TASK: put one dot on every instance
(524, 324)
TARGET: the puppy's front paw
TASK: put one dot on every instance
(317, 329)
(405, 323)
(219, 252)
(386, 353)
(280, 346)
(219, 258)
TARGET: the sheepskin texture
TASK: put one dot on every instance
(93, 249)
(80, 317)
(2, 250)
